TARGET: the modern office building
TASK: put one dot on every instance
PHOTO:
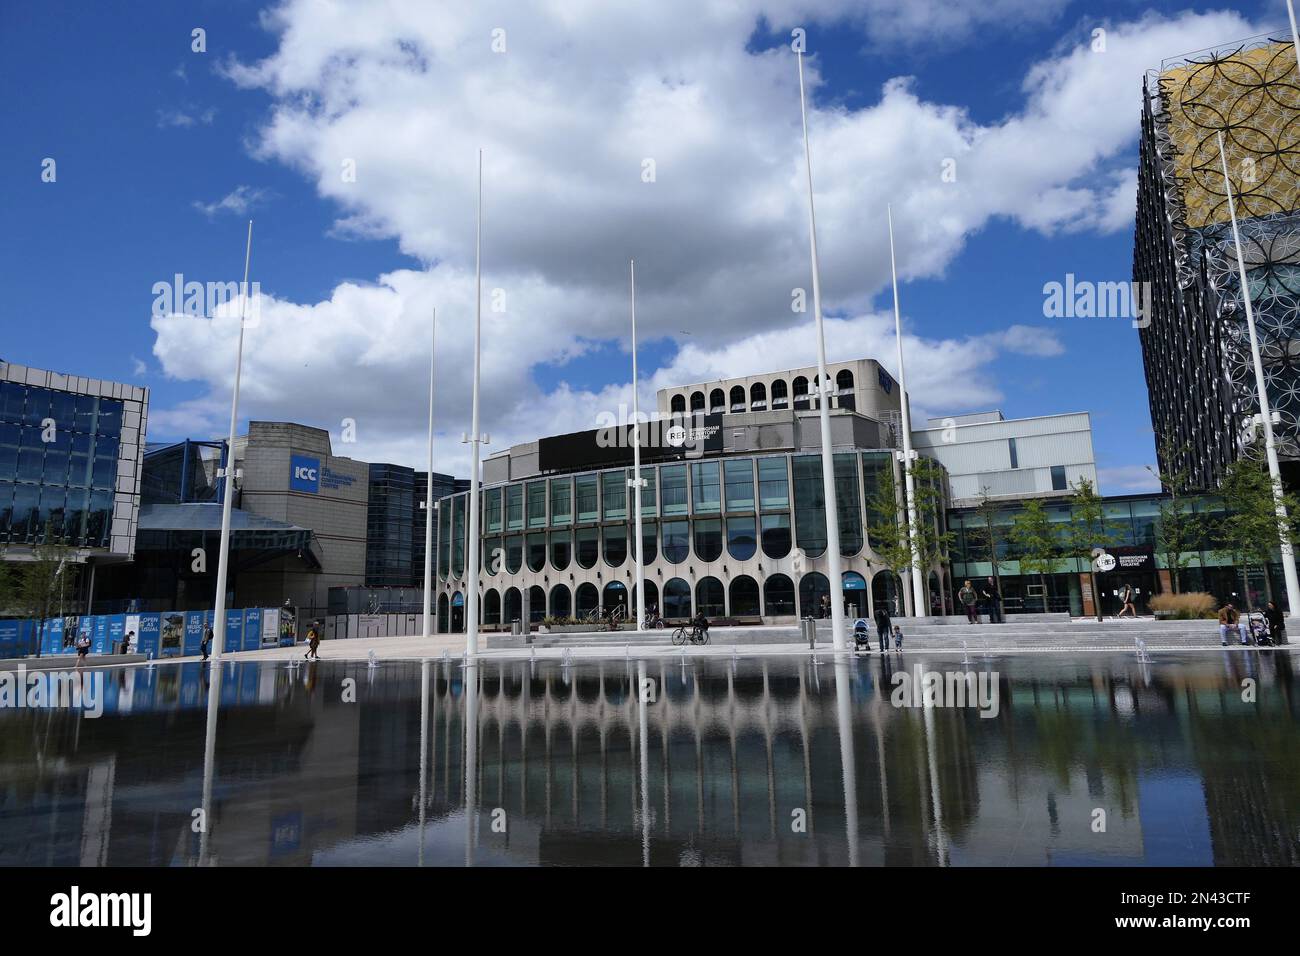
(395, 525)
(985, 453)
(71, 450)
(733, 510)
(1195, 347)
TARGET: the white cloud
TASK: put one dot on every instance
(1127, 480)
(238, 201)
(584, 94)
(186, 118)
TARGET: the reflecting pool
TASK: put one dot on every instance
(1189, 760)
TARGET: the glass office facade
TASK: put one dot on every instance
(58, 465)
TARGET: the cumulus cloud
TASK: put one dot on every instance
(238, 201)
(1127, 480)
(382, 108)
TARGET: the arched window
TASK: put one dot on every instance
(887, 590)
(778, 596)
(708, 538)
(614, 596)
(697, 401)
(514, 606)
(588, 547)
(709, 598)
(514, 553)
(561, 601)
(717, 401)
(651, 595)
(536, 550)
(809, 505)
(649, 542)
(848, 513)
(536, 604)
(744, 596)
(813, 586)
(677, 599)
(561, 549)
(800, 387)
(443, 605)
(780, 394)
(458, 612)
(776, 535)
(741, 542)
(855, 593)
(491, 606)
(615, 544)
(676, 541)
(757, 397)
(737, 398)
(677, 405)
(588, 599)
(844, 380)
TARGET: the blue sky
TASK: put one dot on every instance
(146, 132)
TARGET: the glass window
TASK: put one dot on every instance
(27, 506)
(12, 398)
(677, 599)
(708, 494)
(444, 536)
(585, 496)
(778, 596)
(739, 475)
(648, 500)
(672, 479)
(809, 505)
(741, 540)
(874, 465)
(780, 395)
(848, 514)
(561, 549)
(85, 417)
(1011, 451)
(776, 535)
(494, 555)
(708, 538)
(773, 485)
(514, 507)
(561, 501)
(99, 519)
(37, 408)
(536, 550)
(104, 473)
(110, 417)
(458, 536)
(492, 510)
(614, 493)
(744, 597)
(709, 599)
(6, 507)
(649, 542)
(537, 504)
(1058, 478)
(676, 541)
(588, 547)
(615, 544)
(514, 553)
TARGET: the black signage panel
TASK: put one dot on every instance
(666, 439)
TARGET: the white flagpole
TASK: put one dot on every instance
(428, 490)
(1265, 413)
(228, 481)
(471, 580)
(823, 398)
(919, 605)
(637, 481)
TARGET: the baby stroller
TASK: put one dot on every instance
(861, 634)
(1257, 627)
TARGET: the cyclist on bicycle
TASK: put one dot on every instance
(701, 624)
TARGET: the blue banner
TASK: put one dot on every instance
(147, 641)
(172, 631)
(116, 632)
(234, 632)
(194, 621)
(252, 628)
(85, 628)
(99, 634)
(10, 638)
(52, 639)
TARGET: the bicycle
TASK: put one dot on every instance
(652, 622)
(693, 633)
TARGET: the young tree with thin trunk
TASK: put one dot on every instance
(1035, 541)
(44, 581)
(988, 535)
(1250, 528)
(1179, 529)
(1087, 530)
(887, 526)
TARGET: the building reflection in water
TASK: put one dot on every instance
(759, 762)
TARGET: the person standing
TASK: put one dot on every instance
(970, 601)
(313, 642)
(206, 644)
(127, 642)
(1230, 620)
(1126, 595)
(994, 599)
(883, 626)
(825, 606)
(1276, 623)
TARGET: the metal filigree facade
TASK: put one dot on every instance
(1196, 347)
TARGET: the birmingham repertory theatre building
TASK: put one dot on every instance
(1195, 347)
(733, 510)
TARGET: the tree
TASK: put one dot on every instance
(1250, 528)
(886, 532)
(1086, 531)
(1036, 543)
(888, 528)
(987, 534)
(1179, 529)
(45, 580)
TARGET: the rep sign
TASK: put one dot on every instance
(304, 474)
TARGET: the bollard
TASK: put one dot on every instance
(809, 627)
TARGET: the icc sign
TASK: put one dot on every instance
(304, 474)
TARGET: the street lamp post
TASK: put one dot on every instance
(823, 399)
(428, 490)
(475, 439)
(1265, 413)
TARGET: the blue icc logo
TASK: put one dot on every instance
(304, 474)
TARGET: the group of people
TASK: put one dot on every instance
(885, 629)
(988, 600)
(1230, 620)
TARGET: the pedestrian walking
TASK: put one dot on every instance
(970, 601)
(825, 606)
(994, 599)
(313, 642)
(1230, 620)
(898, 638)
(83, 648)
(206, 644)
(1126, 595)
(883, 626)
(127, 642)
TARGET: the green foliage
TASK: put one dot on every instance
(1034, 537)
(1250, 529)
(887, 532)
(1086, 530)
(987, 533)
(1179, 529)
